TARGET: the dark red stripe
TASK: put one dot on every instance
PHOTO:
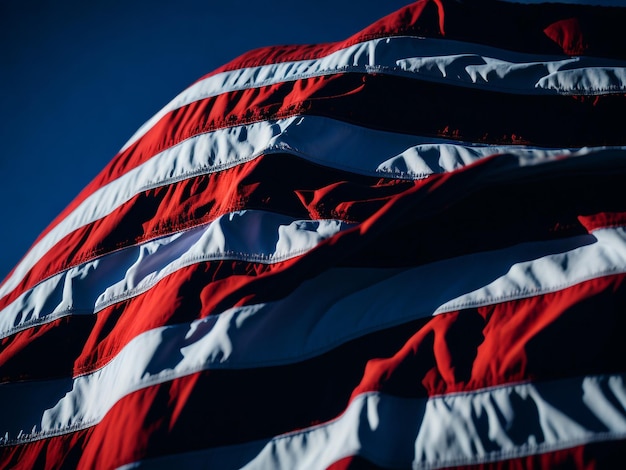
(574, 332)
(568, 333)
(589, 456)
(46, 454)
(603, 220)
(354, 462)
(27, 354)
(419, 19)
(196, 201)
(310, 191)
(460, 220)
(389, 103)
(536, 29)
(594, 455)
(90, 341)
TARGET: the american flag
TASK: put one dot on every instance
(402, 250)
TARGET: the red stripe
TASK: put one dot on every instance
(537, 29)
(26, 355)
(386, 103)
(460, 351)
(191, 202)
(603, 220)
(354, 462)
(588, 456)
(459, 222)
(575, 331)
(419, 19)
(97, 338)
(196, 201)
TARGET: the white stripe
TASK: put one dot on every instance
(56, 296)
(254, 236)
(320, 140)
(270, 334)
(546, 274)
(436, 60)
(459, 429)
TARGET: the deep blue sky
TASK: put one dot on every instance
(77, 78)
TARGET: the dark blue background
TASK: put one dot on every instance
(77, 78)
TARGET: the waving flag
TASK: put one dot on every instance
(403, 250)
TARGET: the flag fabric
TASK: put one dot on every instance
(402, 250)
